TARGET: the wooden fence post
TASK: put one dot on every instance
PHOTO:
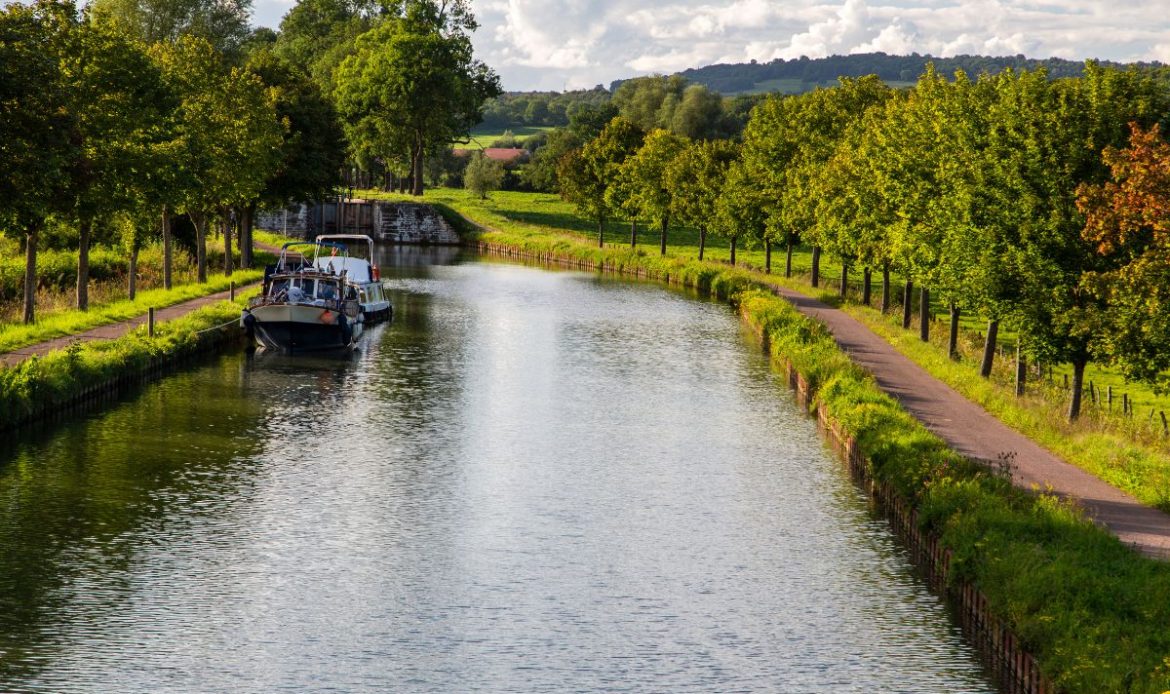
(150, 321)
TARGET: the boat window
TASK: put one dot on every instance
(277, 287)
(326, 290)
(364, 296)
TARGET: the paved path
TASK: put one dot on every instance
(114, 330)
(970, 430)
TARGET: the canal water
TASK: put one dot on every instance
(531, 481)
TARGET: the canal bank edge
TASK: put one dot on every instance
(46, 388)
(1025, 572)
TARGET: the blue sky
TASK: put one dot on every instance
(542, 44)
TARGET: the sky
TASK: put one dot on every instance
(575, 44)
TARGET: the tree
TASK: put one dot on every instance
(482, 175)
(585, 175)
(1051, 145)
(770, 147)
(1128, 218)
(413, 85)
(35, 123)
(121, 108)
(645, 176)
(313, 149)
(580, 184)
(697, 176)
(673, 104)
(821, 119)
(742, 207)
(229, 136)
(222, 23)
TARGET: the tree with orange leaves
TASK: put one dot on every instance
(1128, 218)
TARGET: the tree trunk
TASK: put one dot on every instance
(247, 248)
(1021, 369)
(816, 267)
(907, 304)
(228, 260)
(702, 241)
(885, 290)
(953, 340)
(767, 257)
(167, 247)
(989, 348)
(924, 314)
(633, 233)
(734, 239)
(132, 281)
(32, 238)
(788, 261)
(84, 228)
(416, 168)
(662, 245)
(199, 219)
(844, 289)
(1078, 382)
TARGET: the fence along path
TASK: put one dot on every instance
(971, 431)
(113, 330)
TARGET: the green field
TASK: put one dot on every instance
(484, 137)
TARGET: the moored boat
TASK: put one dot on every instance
(306, 305)
(360, 270)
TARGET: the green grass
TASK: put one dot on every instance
(1092, 611)
(38, 383)
(484, 137)
(60, 321)
(15, 336)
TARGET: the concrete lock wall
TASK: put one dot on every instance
(389, 222)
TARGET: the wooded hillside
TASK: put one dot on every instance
(804, 74)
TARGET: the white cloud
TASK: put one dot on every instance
(554, 45)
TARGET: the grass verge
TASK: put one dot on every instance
(15, 336)
(39, 384)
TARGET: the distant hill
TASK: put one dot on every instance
(805, 74)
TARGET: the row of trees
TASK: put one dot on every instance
(649, 103)
(118, 119)
(114, 135)
(991, 194)
(540, 108)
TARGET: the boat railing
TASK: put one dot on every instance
(350, 307)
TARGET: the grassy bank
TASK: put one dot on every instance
(40, 384)
(1092, 611)
(59, 318)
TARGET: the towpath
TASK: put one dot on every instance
(113, 330)
(970, 430)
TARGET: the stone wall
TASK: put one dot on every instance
(409, 222)
(290, 221)
(388, 222)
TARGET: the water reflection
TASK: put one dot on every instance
(530, 481)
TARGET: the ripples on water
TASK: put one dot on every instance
(531, 481)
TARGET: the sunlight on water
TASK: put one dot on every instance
(530, 481)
